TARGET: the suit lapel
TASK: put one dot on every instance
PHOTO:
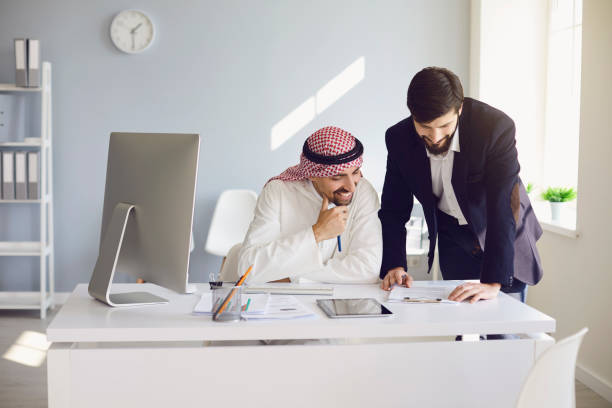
(419, 166)
(460, 167)
(421, 169)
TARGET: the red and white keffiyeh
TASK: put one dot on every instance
(327, 152)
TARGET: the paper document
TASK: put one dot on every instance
(421, 294)
(258, 304)
(283, 307)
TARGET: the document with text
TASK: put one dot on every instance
(422, 294)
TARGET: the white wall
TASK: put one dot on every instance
(227, 69)
(577, 284)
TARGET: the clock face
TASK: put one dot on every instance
(132, 31)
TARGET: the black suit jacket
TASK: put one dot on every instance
(485, 181)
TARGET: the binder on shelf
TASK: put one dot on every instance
(8, 183)
(33, 176)
(21, 68)
(21, 188)
(33, 47)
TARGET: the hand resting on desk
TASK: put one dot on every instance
(396, 276)
(475, 291)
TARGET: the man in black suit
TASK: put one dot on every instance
(458, 157)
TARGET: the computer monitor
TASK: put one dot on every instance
(148, 212)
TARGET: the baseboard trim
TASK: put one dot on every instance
(594, 382)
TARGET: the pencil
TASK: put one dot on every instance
(241, 280)
(231, 294)
(247, 305)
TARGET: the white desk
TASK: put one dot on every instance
(155, 356)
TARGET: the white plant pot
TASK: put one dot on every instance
(556, 209)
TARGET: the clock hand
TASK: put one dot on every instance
(133, 30)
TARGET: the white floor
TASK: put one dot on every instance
(23, 369)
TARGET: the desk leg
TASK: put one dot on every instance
(59, 375)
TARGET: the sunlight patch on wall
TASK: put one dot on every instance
(292, 123)
(329, 94)
(340, 85)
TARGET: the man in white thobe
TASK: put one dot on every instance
(317, 221)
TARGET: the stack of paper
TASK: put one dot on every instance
(284, 307)
(262, 307)
(421, 294)
(291, 289)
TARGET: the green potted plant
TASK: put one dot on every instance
(558, 196)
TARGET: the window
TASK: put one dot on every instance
(563, 94)
(526, 61)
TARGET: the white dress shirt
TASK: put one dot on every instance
(280, 242)
(441, 176)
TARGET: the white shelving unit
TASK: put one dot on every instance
(43, 248)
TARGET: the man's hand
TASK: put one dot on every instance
(331, 223)
(475, 290)
(396, 275)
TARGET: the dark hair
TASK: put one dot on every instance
(432, 93)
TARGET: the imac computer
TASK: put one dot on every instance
(147, 216)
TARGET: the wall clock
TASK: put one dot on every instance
(132, 31)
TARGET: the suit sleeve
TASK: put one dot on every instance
(501, 170)
(396, 207)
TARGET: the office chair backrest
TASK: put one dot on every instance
(229, 270)
(230, 222)
(551, 383)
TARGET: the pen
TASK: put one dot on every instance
(339, 244)
(246, 307)
(231, 294)
(421, 300)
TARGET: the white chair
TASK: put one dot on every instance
(229, 269)
(551, 382)
(230, 221)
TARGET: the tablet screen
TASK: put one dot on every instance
(367, 307)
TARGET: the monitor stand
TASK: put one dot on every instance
(104, 271)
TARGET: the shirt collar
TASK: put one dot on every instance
(455, 142)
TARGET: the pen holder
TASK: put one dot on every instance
(227, 303)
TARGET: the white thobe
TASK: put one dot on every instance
(280, 242)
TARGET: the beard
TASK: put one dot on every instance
(339, 201)
(442, 146)
(439, 148)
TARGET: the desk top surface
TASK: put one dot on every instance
(83, 319)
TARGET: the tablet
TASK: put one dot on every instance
(365, 307)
